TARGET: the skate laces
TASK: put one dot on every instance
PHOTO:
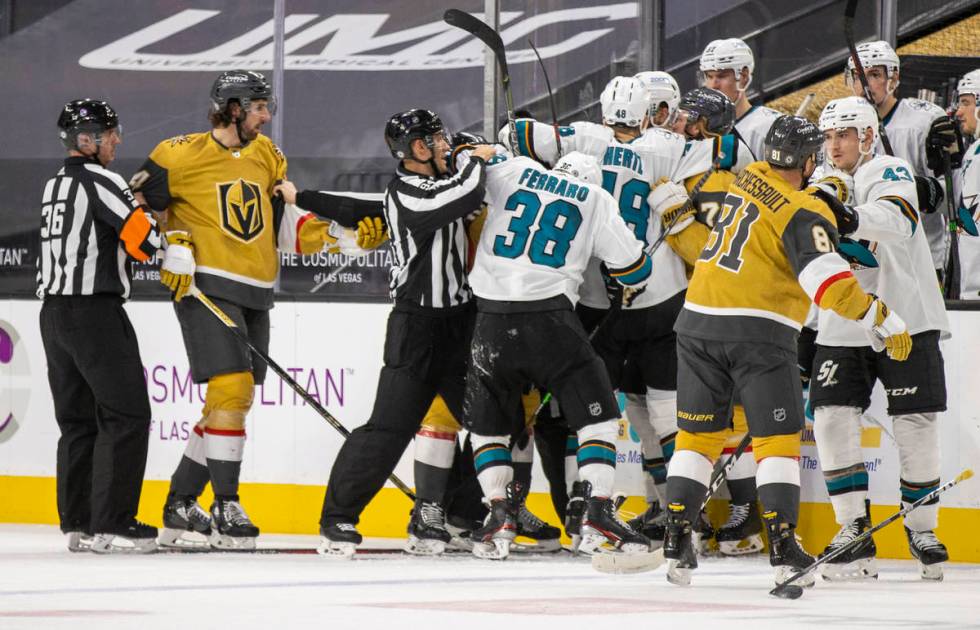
(738, 514)
(346, 527)
(432, 515)
(846, 534)
(527, 518)
(926, 540)
(235, 514)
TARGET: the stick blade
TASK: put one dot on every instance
(787, 591)
(966, 474)
(619, 563)
(479, 29)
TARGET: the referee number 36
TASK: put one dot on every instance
(52, 219)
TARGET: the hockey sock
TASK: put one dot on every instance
(434, 453)
(662, 407)
(571, 462)
(837, 430)
(597, 456)
(491, 458)
(522, 457)
(191, 475)
(224, 449)
(688, 475)
(654, 465)
(918, 451)
(778, 480)
(741, 478)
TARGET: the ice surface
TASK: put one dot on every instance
(43, 586)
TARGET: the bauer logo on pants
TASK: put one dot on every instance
(241, 209)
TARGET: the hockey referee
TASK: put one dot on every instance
(91, 225)
(429, 328)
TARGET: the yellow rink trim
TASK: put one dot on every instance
(295, 509)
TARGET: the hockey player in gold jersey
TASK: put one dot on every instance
(770, 254)
(214, 193)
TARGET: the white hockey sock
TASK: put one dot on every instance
(434, 452)
(571, 462)
(597, 456)
(491, 457)
(654, 466)
(917, 435)
(837, 430)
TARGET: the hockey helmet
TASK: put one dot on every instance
(727, 54)
(625, 101)
(243, 86)
(874, 54)
(848, 112)
(663, 90)
(404, 127)
(791, 140)
(86, 115)
(970, 84)
(711, 106)
(580, 166)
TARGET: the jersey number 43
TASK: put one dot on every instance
(556, 225)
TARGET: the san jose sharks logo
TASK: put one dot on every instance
(241, 209)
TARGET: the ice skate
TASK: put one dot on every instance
(461, 530)
(185, 524)
(136, 537)
(652, 524)
(703, 532)
(427, 534)
(339, 541)
(231, 527)
(544, 537)
(79, 541)
(602, 525)
(742, 532)
(930, 553)
(575, 512)
(785, 552)
(492, 540)
(679, 549)
(856, 563)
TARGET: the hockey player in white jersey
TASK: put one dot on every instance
(912, 125)
(968, 180)
(879, 207)
(726, 65)
(664, 96)
(542, 228)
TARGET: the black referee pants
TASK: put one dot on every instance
(424, 355)
(102, 409)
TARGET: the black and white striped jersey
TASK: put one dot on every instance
(90, 226)
(428, 235)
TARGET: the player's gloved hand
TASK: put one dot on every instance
(836, 183)
(847, 218)
(672, 206)
(614, 290)
(887, 330)
(944, 137)
(631, 293)
(177, 270)
(370, 232)
(930, 194)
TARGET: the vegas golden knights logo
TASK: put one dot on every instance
(241, 209)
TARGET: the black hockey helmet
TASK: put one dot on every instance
(405, 127)
(465, 137)
(243, 86)
(85, 115)
(712, 107)
(791, 140)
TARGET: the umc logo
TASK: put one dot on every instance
(16, 375)
(240, 203)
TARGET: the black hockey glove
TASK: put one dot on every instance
(614, 290)
(944, 135)
(930, 194)
(847, 218)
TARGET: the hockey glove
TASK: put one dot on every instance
(836, 183)
(614, 290)
(944, 136)
(631, 293)
(177, 270)
(887, 330)
(672, 206)
(846, 217)
(370, 232)
(930, 194)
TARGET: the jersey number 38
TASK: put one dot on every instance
(556, 225)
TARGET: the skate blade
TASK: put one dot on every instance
(864, 569)
(336, 550)
(110, 543)
(496, 549)
(590, 543)
(182, 539)
(424, 547)
(531, 545)
(677, 575)
(231, 543)
(784, 573)
(931, 572)
(79, 543)
(459, 543)
(621, 563)
(745, 546)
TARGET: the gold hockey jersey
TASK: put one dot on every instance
(223, 197)
(771, 252)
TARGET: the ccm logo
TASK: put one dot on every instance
(902, 391)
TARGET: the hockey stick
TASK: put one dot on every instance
(490, 37)
(551, 99)
(788, 590)
(951, 284)
(849, 12)
(805, 104)
(612, 562)
(312, 402)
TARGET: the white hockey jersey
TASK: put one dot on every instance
(968, 180)
(907, 126)
(541, 230)
(887, 207)
(753, 126)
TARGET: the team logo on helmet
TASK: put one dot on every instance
(241, 209)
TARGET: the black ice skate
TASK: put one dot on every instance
(785, 553)
(679, 549)
(652, 524)
(185, 524)
(741, 533)
(231, 527)
(339, 541)
(575, 512)
(461, 530)
(930, 553)
(703, 533)
(493, 539)
(544, 536)
(602, 525)
(136, 537)
(858, 562)
(79, 541)
(427, 534)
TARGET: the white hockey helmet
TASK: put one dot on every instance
(874, 54)
(727, 54)
(851, 112)
(970, 84)
(625, 101)
(663, 89)
(580, 166)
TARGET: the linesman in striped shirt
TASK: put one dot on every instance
(91, 228)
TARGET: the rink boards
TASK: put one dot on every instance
(334, 351)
